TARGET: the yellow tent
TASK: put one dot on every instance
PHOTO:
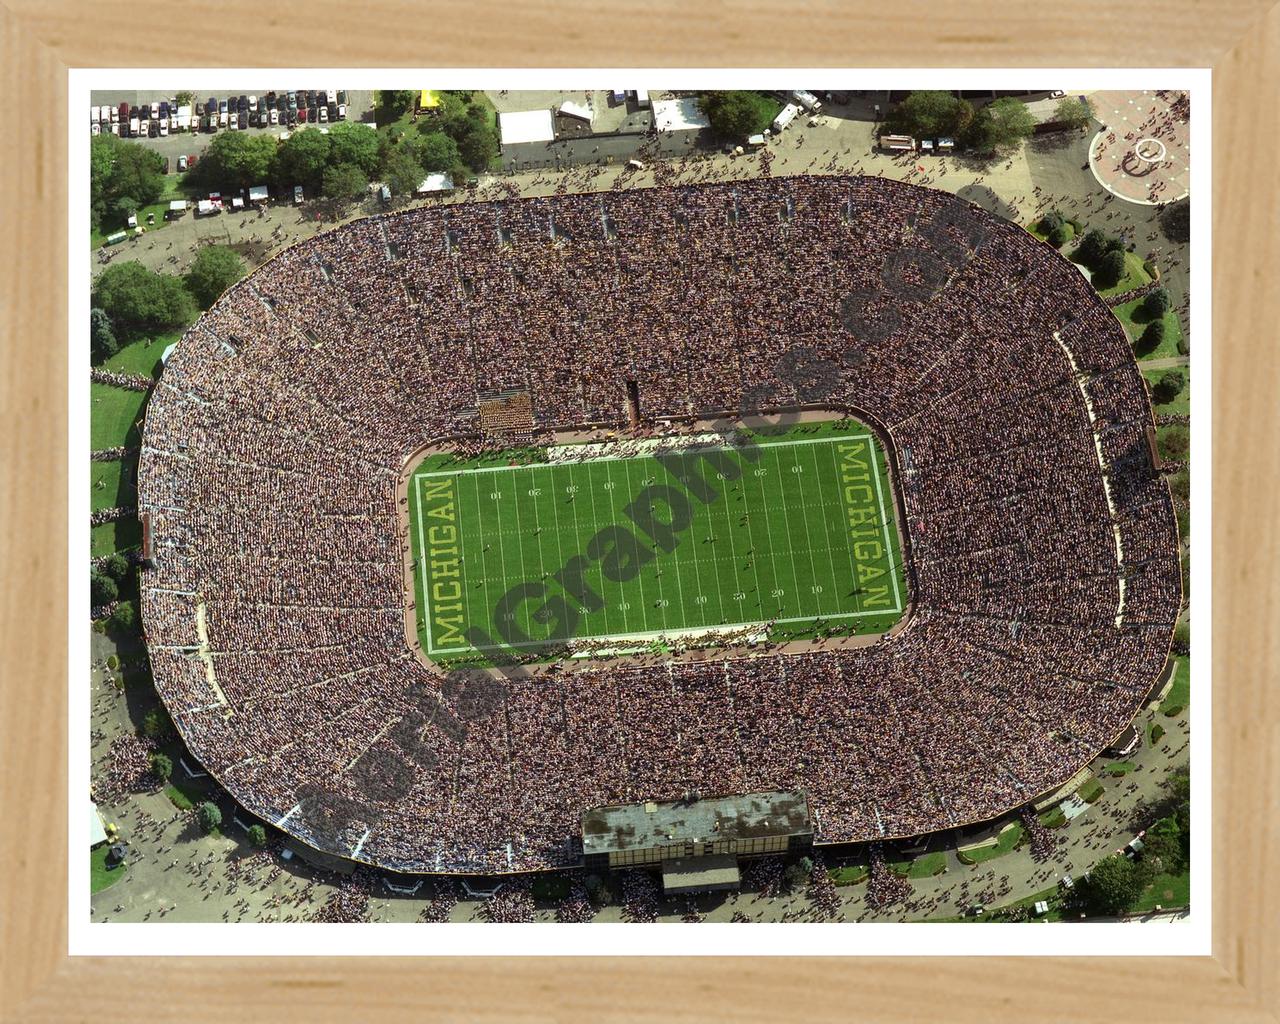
(428, 99)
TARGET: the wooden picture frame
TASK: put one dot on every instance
(1238, 983)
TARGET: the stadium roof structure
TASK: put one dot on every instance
(1041, 546)
(746, 816)
(679, 115)
(517, 126)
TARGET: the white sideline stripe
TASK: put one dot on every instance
(884, 518)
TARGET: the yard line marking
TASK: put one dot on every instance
(826, 528)
(795, 578)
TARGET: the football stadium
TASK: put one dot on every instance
(464, 522)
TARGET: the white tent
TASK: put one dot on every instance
(257, 193)
(679, 115)
(526, 126)
(578, 110)
(436, 183)
(97, 834)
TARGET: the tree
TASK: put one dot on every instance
(236, 160)
(1095, 245)
(1050, 222)
(157, 725)
(736, 114)
(930, 113)
(435, 151)
(122, 618)
(1002, 124)
(1110, 269)
(390, 105)
(1113, 886)
(1152, 336)
(138, 300)
(351, 142)
(1059, 236)
(1074, 111)
(257, 835)
(1162, 847)
(1156, 304)
(402, 172)
(1175, 221)
(161, 766)
(1168, 387)
(215, 269)
(1175, 443)
(480, 144)
(302, 158)
(123, 176)
(102, 339)
(102, 589)
(208, 816)
(343, 183)
(116, 566)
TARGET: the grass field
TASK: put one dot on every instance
(113, 416)
(792, 533)
(100, 876)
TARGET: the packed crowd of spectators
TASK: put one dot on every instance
(1043, 562)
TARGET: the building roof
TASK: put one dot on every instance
(577, 110)
(526, 126)
(679, 115)
(640, 826)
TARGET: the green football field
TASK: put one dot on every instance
(784, 535)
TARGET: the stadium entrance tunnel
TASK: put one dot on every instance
(778, 530)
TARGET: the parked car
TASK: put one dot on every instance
(222, 107)
(275, 116)
(271, 98)
(164, 108)
(333, 111)
(153, 129)
(124, 111)
(342, 97)
(182, 162)
(114, 113)
(155, 110)
(95, 128)
(292, 118)
(342, 111)
(244, 120)
(164, 127)
(212, 106)
(222, 118)
(133, 126)
(192, 160)
(302, 115)
(166, 165)
(324, 114)
(253, 102)
(243, 104)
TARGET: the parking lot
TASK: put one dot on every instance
(359, 108)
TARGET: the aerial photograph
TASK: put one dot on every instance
(643, 506)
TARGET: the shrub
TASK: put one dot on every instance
(102, 339)
(208, 816)
(1059, 236)
(1184, 346)
(1152, 336)
(113, 662)
(1180, 485)
(215, 269)
(1157, 733)
(1182, 637)
(257, 835)
(1172, 711)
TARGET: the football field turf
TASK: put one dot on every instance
(784, 535)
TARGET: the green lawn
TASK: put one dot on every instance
(850, 874)
(1181, 403)
(924, 866)
(111, 484)
(1166, 890)
(143, 356)
(1134, 277)
(121, 535)
(1005, 842)
(1179, 696)
(1091, 791)
(1135, 321)
(113, 416)
(798, 530)
(99, 877)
